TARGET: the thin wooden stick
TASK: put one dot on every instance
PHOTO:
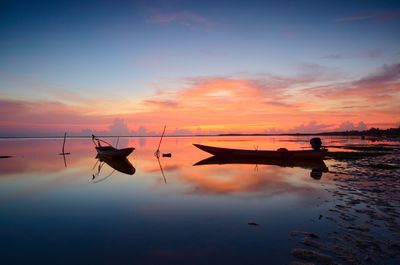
(157, 153)
(65, 136)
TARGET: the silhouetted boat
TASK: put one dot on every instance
(281, 153)
(114, 152)
(120, 163)
(109, 150)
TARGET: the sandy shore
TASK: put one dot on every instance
(366, 213)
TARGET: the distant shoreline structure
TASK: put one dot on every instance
(373, 132)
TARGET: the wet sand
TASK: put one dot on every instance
(365, 212)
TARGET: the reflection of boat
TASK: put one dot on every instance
(121, 164)
(317, 166)
(217, 160)
(109, 150)
(281, 153)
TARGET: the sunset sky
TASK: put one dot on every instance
(131, 67)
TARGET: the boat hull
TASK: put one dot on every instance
(110, 151)
(280, 154)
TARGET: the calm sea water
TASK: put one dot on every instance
(60, 211)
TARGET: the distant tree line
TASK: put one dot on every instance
(374, 132)
(391, 132)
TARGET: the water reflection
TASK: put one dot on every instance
(120, 164)
(140, 220)
(65, 159)
(317, 166)
(161, 169)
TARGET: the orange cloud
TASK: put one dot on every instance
(314, 100)
(259, 105)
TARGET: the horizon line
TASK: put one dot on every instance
(338, 133)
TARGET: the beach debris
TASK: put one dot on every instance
(303, 233)
(167, 155)
(253, 223)
(384, 166)
(5, 156)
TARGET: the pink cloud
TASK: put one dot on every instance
(242, 104)
(350, 126)
(20, 116)
(290, 35)
(376, 87)
(387, 74)
(311, 127)
(162, 103)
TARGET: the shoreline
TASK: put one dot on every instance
(367, 137)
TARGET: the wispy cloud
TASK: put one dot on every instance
(356, 18)
(310, 127)
(379, 90)
(183, 17)
(334, 56)
(373, 53)
(377, 16)
(162, 103)
(387, 74)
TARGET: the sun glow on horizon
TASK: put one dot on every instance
(221, 105)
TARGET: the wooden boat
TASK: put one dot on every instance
(109, 150)
(281, 153)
